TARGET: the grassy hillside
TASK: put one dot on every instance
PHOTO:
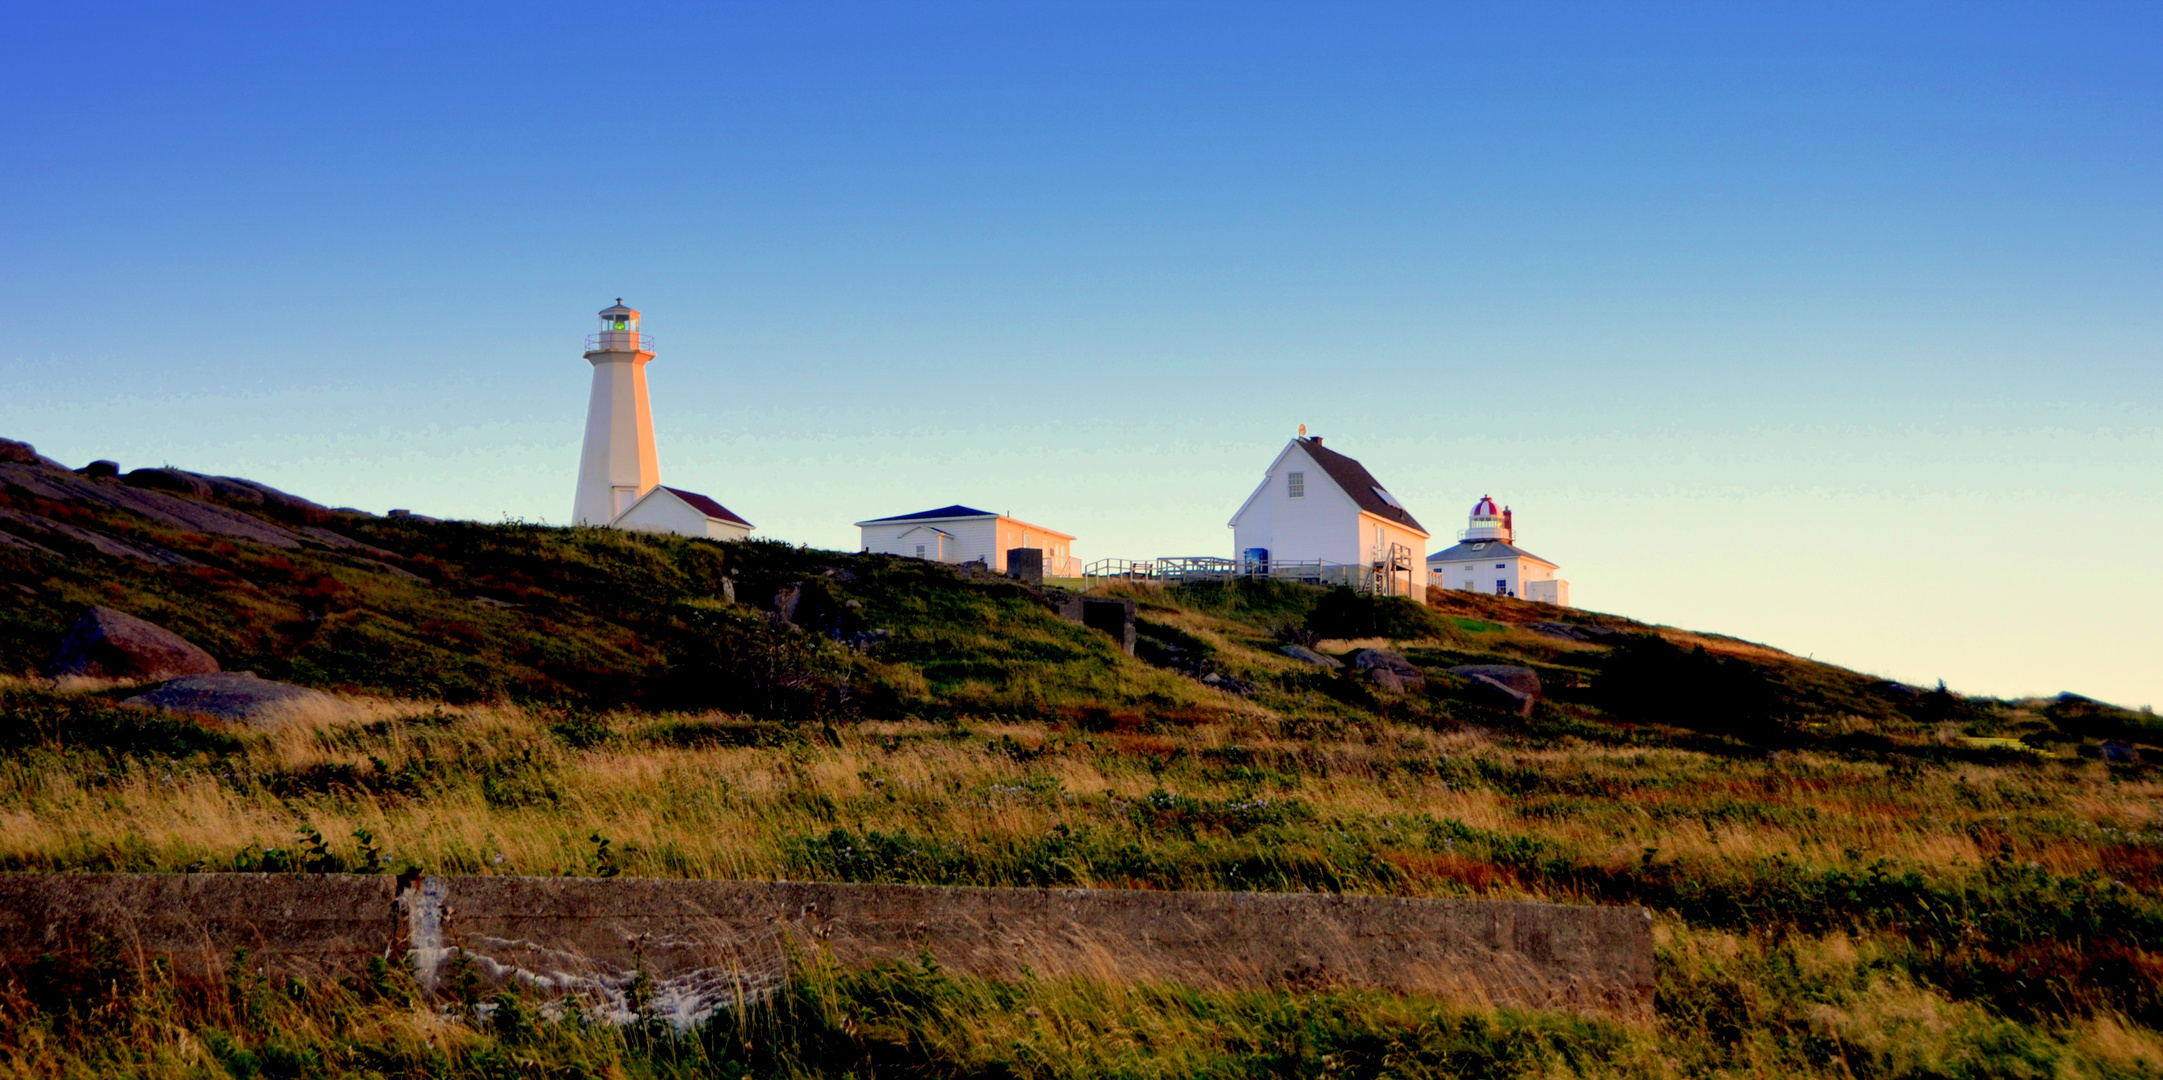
(1851, 878)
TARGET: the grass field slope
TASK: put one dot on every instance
(1851, 878)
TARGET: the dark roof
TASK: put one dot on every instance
(1357, 482)
(955, 511)
(1487, 549)
(706, 506)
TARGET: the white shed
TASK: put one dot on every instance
(685, 513)
(1318, 508)
(958, 534)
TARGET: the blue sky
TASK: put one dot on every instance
(1830, 326)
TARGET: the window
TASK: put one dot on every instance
(1501, 566)
(1502, 588)
(919, 551)
(1295, 485)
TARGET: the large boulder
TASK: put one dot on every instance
(1389, 670)
(237, 695)
(113, 644)
(22, 453)
(1306, 655)
(168, 480)
(1501, 686)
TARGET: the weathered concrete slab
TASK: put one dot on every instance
(702, 943)
(692, 947)
(304, 925)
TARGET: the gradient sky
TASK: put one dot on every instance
(1834, 327)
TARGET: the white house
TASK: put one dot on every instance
(1321, 516)
(1487, 559)
(685, 513)
(957, 534)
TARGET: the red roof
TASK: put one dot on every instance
(706, 506)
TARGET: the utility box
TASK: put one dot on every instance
(1025, 565)
(1101, 613)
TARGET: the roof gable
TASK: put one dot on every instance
(703, 505)
(1354, 480)
(1475, 550)
(943, 513)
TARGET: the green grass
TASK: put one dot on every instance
(1849, 879)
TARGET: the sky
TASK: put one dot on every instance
(1834, 327)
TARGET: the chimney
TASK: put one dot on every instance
(1509, 534)
(1317, 440)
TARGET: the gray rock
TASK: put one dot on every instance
(1524, 680)
(1404, 673)
(1388, 680)
(116, 645)
(1306, 655)
(101, 468)
(235, 695)
(1501, 686)
(1572, 631)
(168, 480)
(22, 453)
(2120, 752)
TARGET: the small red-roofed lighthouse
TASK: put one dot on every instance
(618, 464)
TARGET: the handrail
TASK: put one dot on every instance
(620, 341)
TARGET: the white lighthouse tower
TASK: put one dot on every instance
(618, 464)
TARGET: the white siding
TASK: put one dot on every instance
(986, 538)
(1323, 525)
(663, 512)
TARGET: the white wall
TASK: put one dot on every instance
(665, 513)
(617, 464)
(1514, 571)
(1550, 591)
(1324, 524)
(971, 538)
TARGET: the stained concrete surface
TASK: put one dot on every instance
(706, 945)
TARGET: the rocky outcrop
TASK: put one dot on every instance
(106, 643)
(1389, 670)
(168, 480)
(22, 453)
(1306, 655)
(1501, 686)
(239, 696)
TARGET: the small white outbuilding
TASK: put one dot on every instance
(958, 534)
(686, 513)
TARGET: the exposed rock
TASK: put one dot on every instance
(22, 453)
(99, 542)
(1897, 689)
(1306, 655)
(2120, 752)
(116, 645)
(1404, 674)
(312, 511)
(235, 695)
(1512, 689)
(186, 514)
(1388, 680)
(169, 480)
(101, 468)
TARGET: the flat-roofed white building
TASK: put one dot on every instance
(1487, 560)
(959, 534)
(1316, 507)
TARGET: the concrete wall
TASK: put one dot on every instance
(705, 945)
